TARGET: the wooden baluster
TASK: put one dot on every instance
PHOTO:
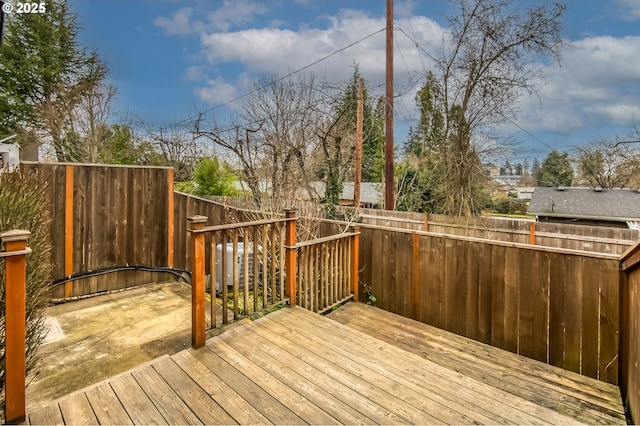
(245, 286)
(254, 246)
(234, 259)
(224, 286)
(355, 252)
(214, 278)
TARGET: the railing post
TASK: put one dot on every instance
(197, 281)
(15, 324)
(355, 253)
(290, 257)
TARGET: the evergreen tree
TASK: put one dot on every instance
(44, 73)
(212, 179)
(556, 170)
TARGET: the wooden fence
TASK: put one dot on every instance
(554, 305)
(15, 319)
(111, 219)
(599, 239)
(630, 332)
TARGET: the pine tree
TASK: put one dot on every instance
(44, 72)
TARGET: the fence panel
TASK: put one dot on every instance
(103, 218)
(556, 306)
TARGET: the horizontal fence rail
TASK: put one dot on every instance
(15, 293)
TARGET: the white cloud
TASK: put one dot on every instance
(630, 9)
(275, 50)
(217, 91)
(235, 12)
(178, 24)
(231, 13)
(598, 84)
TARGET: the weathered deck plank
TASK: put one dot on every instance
(48, 415)
(77, 410)
(482, 404)
(107, 406)
(231, 402)
(582, 398)
(359, 366)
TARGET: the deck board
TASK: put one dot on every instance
(359, 365)
(582, 398)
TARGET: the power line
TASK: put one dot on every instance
(257, 89)
(527, 132)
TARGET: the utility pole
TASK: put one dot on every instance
(358, 166)
(388, 151)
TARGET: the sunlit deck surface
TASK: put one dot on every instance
(359, 365)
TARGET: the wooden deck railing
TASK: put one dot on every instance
(15, 291)
(246, 268)
(253, 259)
(327, 272)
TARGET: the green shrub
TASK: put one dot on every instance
(23, 205)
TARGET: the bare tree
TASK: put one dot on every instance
(273, 135)
(609, 164)
(484, 65)
(177, 147)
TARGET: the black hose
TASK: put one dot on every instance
(180, 273)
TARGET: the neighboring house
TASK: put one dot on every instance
(524, 193)
(370, 194)
(586, 206)
(9, 156)
(508, 181)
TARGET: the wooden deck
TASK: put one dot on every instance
(359, 365)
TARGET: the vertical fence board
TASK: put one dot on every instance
(592, 276)
(557, 277)
(498, 338)
(527, 286)
(540, 306)
(573, 315)
(609, 326)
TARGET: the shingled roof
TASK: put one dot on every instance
(586, 203)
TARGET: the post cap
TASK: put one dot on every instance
(15, 235)
(197, 219)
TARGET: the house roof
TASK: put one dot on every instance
(370, 192)
(586, 203)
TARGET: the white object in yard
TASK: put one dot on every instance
(228, 267)
(9, 157)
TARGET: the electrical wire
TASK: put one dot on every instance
(257, 89)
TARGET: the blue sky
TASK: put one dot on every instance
(170, 57)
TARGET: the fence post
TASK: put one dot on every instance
(197, 281)
(355, 253)
(532, 233)
(290, 257)
(68, 228)
(415, 275)
(425, 226)
(15, 324)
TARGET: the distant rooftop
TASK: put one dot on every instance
(586, 203)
